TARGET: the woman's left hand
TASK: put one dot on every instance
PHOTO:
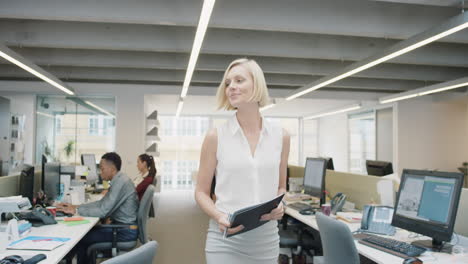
(275, 214)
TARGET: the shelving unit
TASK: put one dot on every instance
(152, 140)
(16, 141)
(152, 136)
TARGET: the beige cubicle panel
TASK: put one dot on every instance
(296, 171)
(359, 189)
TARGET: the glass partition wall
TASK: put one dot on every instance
(67, 127)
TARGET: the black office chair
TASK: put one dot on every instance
(143, 212)
(299, 238)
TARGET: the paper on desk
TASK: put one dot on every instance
(38, 243)
(74, 223)
(350, 217)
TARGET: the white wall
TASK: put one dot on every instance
(384, 134)
(432, 135)
(333, 140)
(129, 129)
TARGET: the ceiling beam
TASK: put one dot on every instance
(205, 77)
(337, 17)
(213, 62)
(217, 41)
(106, 89)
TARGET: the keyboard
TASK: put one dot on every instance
(392, 246)
(300, 206)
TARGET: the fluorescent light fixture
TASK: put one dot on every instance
(332, 112)
(36, 73)
(435, 88)
(268, 106)
(451, 26)
(199, 35)
(398, 98)
(179, 107)
(45, 114)
(100, 109)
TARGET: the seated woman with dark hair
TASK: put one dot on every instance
(147, 168)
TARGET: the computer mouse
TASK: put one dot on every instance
(412, 261)
(307, 212)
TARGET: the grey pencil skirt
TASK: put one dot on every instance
(257, 246)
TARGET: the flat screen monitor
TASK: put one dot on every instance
(329, 163)
(314, 178)
(43, 162)
(427, 203)
(378, 168)
(51, 181)
(27, 182)
(89, 160)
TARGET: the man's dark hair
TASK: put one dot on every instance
(114, 158)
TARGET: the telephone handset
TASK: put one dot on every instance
(337, 202)
(377, 219)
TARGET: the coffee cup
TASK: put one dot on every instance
(52, 210)
(326, 209)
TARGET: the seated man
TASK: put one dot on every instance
(120, 204)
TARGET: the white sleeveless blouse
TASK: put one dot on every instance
(242, 179)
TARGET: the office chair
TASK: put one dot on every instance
(295, 236)
(337, 241)
(154, 207)
(142, 255)
(142, 217)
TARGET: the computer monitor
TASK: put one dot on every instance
(314, 178)
(427, 204)
(329, 163)
(378, 168)
(27, 182)
(89, 160)
(51, 180)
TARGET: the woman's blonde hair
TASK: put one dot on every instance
(260, 90)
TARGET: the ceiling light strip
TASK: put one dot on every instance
(10, 57)
(451, 26)
(45, 114)
(179, 107)
(435, 88)
(268, 106)
(100, 109)
(340, 110)
(199, 36)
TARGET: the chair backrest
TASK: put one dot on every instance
(144, 255)
(337, 241)
(152, 212)
(143, 212)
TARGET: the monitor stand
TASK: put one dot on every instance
(434, 245)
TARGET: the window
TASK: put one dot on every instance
(107, 125)
(58, 125)
(74, 124)
(361, 141)
(93, 128)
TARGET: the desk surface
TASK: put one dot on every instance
(75, 233)
(379, 256)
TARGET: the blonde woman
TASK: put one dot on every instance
(249, 157)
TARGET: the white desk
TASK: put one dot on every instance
(75, 233)
(380, 256)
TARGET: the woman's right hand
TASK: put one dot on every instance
(223, 223)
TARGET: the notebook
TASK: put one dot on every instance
(38, 243)
(249, 217)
